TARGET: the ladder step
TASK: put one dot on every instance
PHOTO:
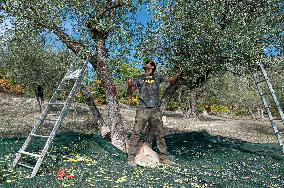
(276, 107)
(260, 81)
(51, 119)
(30, 154)
(73, 75)
(72, 108)
(56, 104)
(276, 119)
(273, 106)
(24, 165)
(71, 78)
(48, 119)
(40, 136)
(59, 89)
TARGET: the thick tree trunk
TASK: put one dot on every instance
(113, 111)
(191, 113)
(251, 113)
(98, 62)
(260, 115)
(168, 94)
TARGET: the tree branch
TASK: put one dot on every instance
(109, 8)
(169, 92)
(75, 46)
(3, 4)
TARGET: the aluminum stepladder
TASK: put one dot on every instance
(267, 107)
(76, 75)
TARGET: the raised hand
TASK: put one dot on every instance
(130, 82)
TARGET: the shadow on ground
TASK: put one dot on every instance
(201, 159)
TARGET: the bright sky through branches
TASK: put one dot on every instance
(141, 16)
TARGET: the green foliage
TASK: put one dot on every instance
(240, 112)
(97, 92)
(122, 70)
(219, 109)
(79, 98)
(230, 89)
(172, 106)
(204, 37)
(87, 20)
(132, 102)
(200, 107)
(28, 63)
(229, 93)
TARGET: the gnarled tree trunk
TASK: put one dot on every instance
(191, 113)
(168, 93)
(113, 111)
(99, 64)
(260, 115)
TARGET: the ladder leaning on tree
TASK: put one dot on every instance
(71, 74)
(265, 79)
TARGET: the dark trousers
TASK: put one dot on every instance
(154, 117)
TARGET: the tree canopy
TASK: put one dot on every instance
(202, 37)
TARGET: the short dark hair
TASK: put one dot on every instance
(152, 63)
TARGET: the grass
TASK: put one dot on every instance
(202, 160)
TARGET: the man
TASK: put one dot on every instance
(148, 110)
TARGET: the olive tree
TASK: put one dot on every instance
(202, 37)
(93, 26)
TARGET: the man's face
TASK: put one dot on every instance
(149, 65)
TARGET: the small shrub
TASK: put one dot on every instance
(133, 101)
(200, 108)
(219, 109)
(79, 98)
(100, 101)
(172, 106)
(5, 85)
(8, 87)
(17, 89)
(98, 82)
(240, 112)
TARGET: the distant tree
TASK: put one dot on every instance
(26, 61)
